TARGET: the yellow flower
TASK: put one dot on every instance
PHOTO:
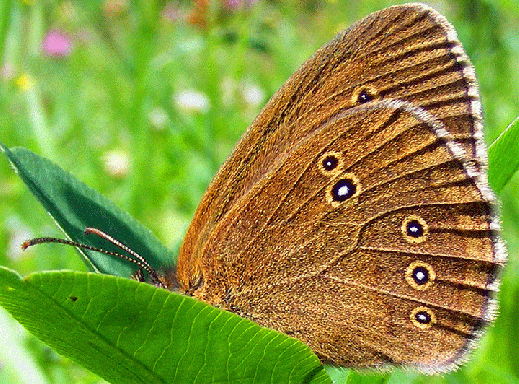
(24, 82)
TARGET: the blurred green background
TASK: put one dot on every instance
(144, 100)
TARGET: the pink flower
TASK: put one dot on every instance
(238, 4)
(172, 13)
(56, 44)
(7, 71)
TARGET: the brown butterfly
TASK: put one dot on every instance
(355, 212)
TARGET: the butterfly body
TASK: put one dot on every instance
(355, 212)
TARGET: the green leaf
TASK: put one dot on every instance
(341, 375)
(503, 157)
(75, 206)
(131, 332)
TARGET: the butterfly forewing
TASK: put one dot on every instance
(394, 53)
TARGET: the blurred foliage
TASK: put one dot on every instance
(144, 100)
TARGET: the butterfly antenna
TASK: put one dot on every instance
(139, 260)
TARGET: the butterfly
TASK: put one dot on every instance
(355, 213)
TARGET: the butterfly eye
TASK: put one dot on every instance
(414, 229)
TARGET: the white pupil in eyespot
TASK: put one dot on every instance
(343, 191)
(420, 275)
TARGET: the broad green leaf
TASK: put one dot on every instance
(503, 157)
(76, 206)
(130, 332)
(209, 344)
(346, 376)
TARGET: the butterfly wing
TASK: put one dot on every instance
(355, 213)
(404, 52)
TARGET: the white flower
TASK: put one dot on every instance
(116, 163)
(191, 100)
(253, 95)
(158, 118)
(16, 238)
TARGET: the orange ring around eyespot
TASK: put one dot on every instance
(329, 189)
(410, 279)
(424, 225)
(429, 312)
(334, 171)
